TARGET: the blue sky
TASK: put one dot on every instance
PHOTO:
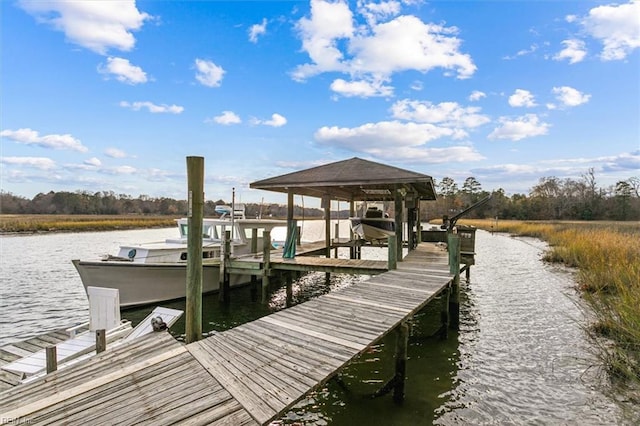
(114, 95)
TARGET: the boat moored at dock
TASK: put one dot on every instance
(153, 272)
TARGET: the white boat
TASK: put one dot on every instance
(374, 225)
(157, 271)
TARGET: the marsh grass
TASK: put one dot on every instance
(607, 258)
(79, 223)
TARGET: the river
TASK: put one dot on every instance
(520, 357)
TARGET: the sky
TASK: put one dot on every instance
(115, 95)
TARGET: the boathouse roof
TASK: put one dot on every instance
(353, 179)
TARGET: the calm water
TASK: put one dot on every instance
(520, 356)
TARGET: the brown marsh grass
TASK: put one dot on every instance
(607, 258)
(25, 223)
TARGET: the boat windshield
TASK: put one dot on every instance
(210, 231)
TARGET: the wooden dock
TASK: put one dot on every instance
(251, 374)
(13, 351)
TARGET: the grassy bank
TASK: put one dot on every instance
(607, 256)
(29, 223)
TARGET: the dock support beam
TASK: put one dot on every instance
(453, 243)
(193, 317)
(101, 340)
(444, 313)
(51, 353)
(266, 259)
(393, 252)
(289, 292)
(402, 340)
(399, 224)
(224, 290)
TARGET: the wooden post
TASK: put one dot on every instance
(402, 340)
(289, 281)
(51, 353)
(418, 223)
(352, 246)
(326, 203)
(223, 294)
(336, 237)
(399, 224)
(393, 252)
(254, 241)
(254, 251)
(193, 318)
(266, 263)
(101, 340)
(444, 313)
(453, 243)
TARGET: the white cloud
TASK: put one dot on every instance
(31, 137)
(93, 161)
(41, 163)
(449, 114)
(574, 51)
(153, 108)
(417, 86)
(523, 52)
(509, 170)
(374, 12)
(522, 127)
(616, 26)
(476, 95)
(522, 98)
(625, 161)
(115, 153)
(407, 43)
(570, 97)
(277, 120)
(120, 170)
(95, 25)
(123, 71)
(374, 50)
(396, 140)
(329, 23)
(208, 73)
(226, 118)
(361, 88)
(257, 30)
(374, 138)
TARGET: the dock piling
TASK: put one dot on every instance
(101, 340)
(444, 313)
(224, 293)
(51, 354)
(453, 243)
(193, 314)
(402, 339)
(266, 258)
(393, 252)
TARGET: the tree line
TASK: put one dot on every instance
(551, 199)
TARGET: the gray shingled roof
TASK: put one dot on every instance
(354, 179)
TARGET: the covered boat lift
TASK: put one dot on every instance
(354, 180)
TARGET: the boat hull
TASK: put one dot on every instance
(143, 284)
(373, 229)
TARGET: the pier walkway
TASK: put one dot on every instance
(251, 374)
